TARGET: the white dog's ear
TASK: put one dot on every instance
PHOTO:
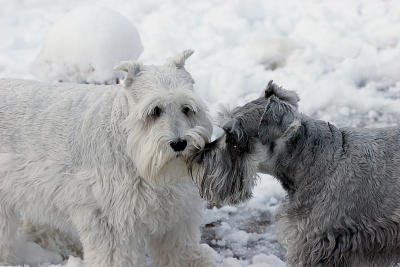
(179, 60)
(131, 68)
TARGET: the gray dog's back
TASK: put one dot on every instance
(346, 196)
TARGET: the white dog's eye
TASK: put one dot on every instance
(156, 112)
(186, 110)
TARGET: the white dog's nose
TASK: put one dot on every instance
(178, 145)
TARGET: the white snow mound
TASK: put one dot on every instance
(85, 44)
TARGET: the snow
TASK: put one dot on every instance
(260, 260)
(232, 262)
(84, 43)
(72, 262)
(33, 254)
(341, 56)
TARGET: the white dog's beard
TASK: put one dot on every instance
(162, 166)
(173, 170)
(152, 160)
(156, 161)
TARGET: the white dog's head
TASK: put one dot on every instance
(166, 120)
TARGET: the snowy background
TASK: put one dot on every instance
(342, 57)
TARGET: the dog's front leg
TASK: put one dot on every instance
(8, 230)
(105, 246)
(137, 251)
(180, 247)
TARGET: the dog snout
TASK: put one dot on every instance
(178, 145)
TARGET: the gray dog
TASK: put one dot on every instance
(343, 190)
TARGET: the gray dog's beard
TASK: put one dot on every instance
(221, 176)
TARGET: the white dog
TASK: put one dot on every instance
(107, 162)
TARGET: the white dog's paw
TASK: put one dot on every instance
(203, 256)
(209, 256)
(8, 259)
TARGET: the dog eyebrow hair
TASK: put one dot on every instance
(192, 106)
(147, 111)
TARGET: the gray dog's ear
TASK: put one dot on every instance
(179, 60)
(285, 95)
(236, 135)
(131, 68)
(278, 120)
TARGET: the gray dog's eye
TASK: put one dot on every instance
(156, 112)
(186, 110)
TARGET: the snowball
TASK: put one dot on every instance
(85, 45)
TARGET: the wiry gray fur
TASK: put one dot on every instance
(224, 169)
(343, 188)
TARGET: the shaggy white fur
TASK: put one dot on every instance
(100, 161)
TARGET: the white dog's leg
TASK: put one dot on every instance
(115, 254)
(8, 230)
(137, 250)
(179, 247)
(103, 246)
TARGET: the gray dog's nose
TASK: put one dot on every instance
(178, 145)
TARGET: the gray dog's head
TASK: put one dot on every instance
(226, 169)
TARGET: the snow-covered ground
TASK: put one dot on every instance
(343, 58)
